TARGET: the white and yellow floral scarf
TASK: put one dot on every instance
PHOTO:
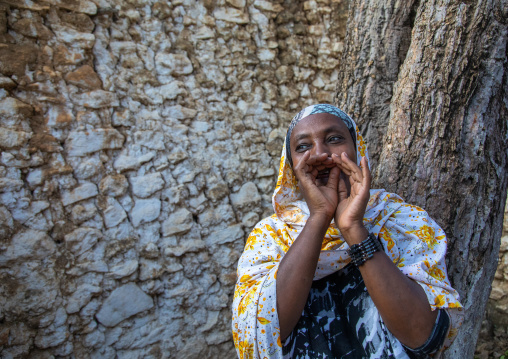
(415, 243)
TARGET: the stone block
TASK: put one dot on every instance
(266, 54)
(216, 338)
(65, 55)
(28, 4)
(22, 215)
(204, 33)
(194, 348)
(87, 168)
(247, 196)
(11, 107)
(84, 77)
(114, 214)
(113, 185)
(83, 212)
(186, 246)
(52, 339)
(122, 47)
(82, 240)
(145, 186)
(28, 244)
(125, 162)
(7, 83)
(217, 191)
(157, 95)
(32, 28)
(9, 185)
(178, 222)
(145, 211)
(179, 112)
(46, 142)
(96, 99)
(69, 36)
(233, 15)
(94, 339)
(80, 193)
(123, 269)
(123, 303)
(25, 55)
(239, 4)
(81, 297)
(122, 118)
(173, 64)
(250, 219)
(149, 269)
(82, 6)
(264, 5)
(81, 143)
(150, 139)
(226, 235)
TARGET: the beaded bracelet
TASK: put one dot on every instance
(360, 252)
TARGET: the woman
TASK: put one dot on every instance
(340, 271)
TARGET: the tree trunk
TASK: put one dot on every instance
(373, 54)
(445, 147)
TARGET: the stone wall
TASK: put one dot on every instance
(139, 145)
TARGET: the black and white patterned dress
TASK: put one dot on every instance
(340, 320)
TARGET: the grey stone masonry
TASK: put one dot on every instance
(139, 145)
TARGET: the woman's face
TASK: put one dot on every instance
(321, 133)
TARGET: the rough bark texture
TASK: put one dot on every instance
(446, 142)
(378, 40)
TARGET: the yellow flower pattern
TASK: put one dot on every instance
(426, 234)
(412, 240)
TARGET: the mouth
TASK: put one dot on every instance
(323, 175)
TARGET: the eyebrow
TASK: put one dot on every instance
(326, 131)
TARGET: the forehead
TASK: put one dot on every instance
(318, 123)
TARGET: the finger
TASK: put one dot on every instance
(342, 188)
(351, 167)
(319, 159)
(301, 167)
(366, 173)
(343, 165)
(303, 160)
(333, 178)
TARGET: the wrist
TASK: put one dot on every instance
(354, 234)
(320, 217)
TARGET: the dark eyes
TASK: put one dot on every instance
(334, 139)
(302, 147)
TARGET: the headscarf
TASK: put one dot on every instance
(414, 242)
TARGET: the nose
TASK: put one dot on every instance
(320, 148)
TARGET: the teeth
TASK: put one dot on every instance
(324, 172)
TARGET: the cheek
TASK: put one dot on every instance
(296, 159)
(352, 154)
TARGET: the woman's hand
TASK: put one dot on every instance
(322, 199)
(353, 199)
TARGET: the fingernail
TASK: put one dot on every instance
(345, 154)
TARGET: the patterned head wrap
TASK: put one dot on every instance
(315, 109)
(411, 239)
(287, 200)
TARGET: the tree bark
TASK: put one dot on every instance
(445, 147)
(377, 41)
